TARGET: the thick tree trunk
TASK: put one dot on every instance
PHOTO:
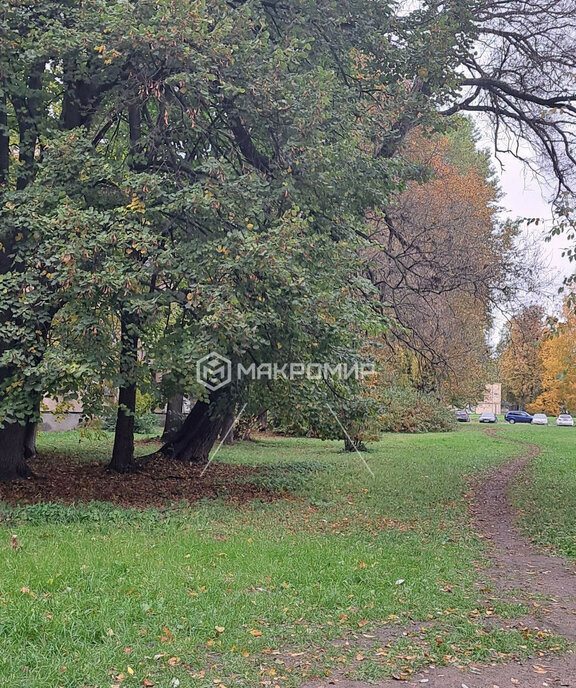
(77, 98)
(30, 434)
(12, 461)
(12, 435)
(32, 430)
(199, 431)
(174, 417)
(123, 451)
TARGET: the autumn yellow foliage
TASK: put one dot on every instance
(558, 355)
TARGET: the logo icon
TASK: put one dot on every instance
(214, 371)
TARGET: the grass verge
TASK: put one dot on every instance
(266, 593)
(545, 493)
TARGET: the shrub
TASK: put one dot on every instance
(407, 410)
(326, 420)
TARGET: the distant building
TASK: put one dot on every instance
(492, 402)
(57, 415)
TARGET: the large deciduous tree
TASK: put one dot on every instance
(520, 360)
(441, 257)
(226, 124)
(44, 87)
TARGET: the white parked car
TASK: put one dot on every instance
(539, 419)
(565, 419)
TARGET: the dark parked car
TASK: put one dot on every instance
(487, 418)
(518, 417)
(462, 416)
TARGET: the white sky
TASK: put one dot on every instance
(525, 197)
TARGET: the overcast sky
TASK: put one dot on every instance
(525, 197)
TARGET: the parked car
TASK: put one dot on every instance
(565, 419)
(462, 416)
(539, 419)
(518, 417)
(487, 418)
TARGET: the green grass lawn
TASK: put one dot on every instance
(546, 493)
(215, 594)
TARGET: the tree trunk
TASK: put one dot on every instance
(174, 417)
(200, 430)
(28, 111)
(12, 461)
(12, 434)
(354, 444)
(77, 105)
(227, 431)
(32, 430)
(123, 451)
(263, 421)
(30, 434)
(4, 135)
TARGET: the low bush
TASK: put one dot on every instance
(407, 410)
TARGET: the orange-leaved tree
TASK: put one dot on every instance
(558, 355)
(442, 259)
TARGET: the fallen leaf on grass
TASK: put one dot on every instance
(255, 632)
(62, 480)
(167, 636)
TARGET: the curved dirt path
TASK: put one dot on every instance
(517, 566)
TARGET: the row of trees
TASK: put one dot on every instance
(247, 177)
(451, 260)
(538, 361)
